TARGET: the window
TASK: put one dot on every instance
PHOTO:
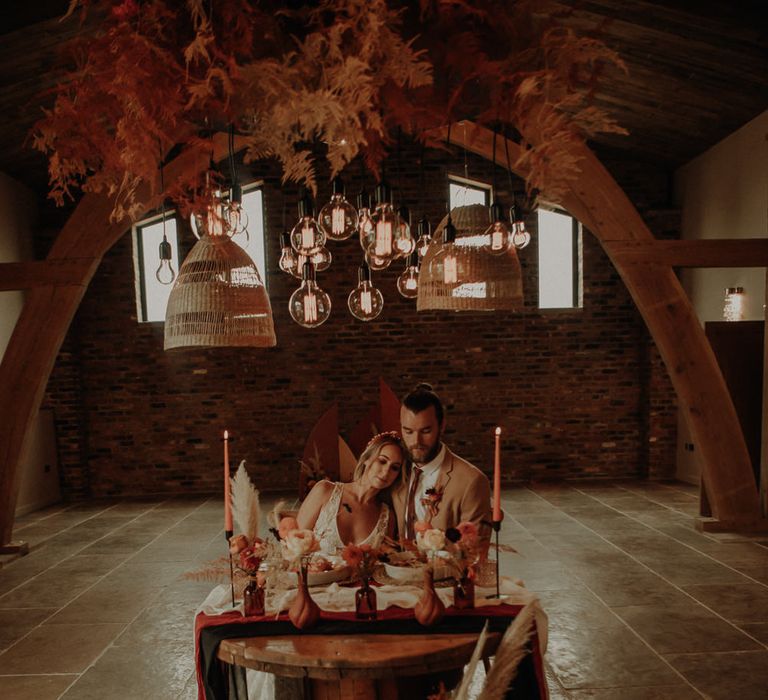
(253, 204)
(559, 238)
(151, 295)
(463, 192)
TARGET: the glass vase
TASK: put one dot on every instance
(253, 598)
(464, 592)
(365, 601)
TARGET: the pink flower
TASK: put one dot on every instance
(286, 525)
(250, 559)
(237, 544)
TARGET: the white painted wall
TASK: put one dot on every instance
(39, 474)
(723, 193)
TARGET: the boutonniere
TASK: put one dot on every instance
(431, 501)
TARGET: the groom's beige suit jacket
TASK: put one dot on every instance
(466, 495)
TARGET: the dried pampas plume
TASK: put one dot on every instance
(462, 692)
(512, 648)
(246, 510)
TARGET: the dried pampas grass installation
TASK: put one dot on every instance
(246, 510)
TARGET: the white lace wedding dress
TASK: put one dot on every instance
(326, 527)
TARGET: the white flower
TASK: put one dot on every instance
(431, 540)
(299, 542)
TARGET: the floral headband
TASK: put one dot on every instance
(392, 434)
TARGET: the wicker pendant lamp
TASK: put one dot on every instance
(219, 299)
(461, 276)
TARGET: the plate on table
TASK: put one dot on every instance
(323, 578)
(405, 567)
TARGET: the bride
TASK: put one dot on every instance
(357, 512)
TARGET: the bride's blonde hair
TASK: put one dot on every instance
(373, 448)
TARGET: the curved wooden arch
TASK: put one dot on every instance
(55, 289)
(602, 206)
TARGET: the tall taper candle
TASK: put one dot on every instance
(227, 501)
(497, 478)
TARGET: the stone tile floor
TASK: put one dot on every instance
(641, 606)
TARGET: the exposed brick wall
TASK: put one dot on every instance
(579, 393)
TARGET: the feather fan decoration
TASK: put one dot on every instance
(512, 649)
(246, 510)
(462, 692)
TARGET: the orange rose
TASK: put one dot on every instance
(237, 544)
(353, 555)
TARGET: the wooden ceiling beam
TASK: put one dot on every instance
(741, 252)
(46, 273)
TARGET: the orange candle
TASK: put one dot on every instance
(227, 502)
(497, 478)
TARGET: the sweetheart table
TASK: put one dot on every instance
(340, 657)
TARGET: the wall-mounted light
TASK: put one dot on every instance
(733, 307)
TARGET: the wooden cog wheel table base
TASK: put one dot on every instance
(381, 666)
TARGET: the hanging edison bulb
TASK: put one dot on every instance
(309, 305)
(364, 221)
(165, 273)
(498, 236)
(306, 236)
(445, 264)
(408, 282)
(404, 243)
(365, 302)
(289, 258)
(338, 219)
(321, 259)
(424, 232)
(235, 216)
(520, 237)
(385, 221)
(212, 222)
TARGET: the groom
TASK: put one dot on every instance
(442, 488)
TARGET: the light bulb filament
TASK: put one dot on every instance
(383, 239)
(366, 303)
(337, 221)
(307, 237)
(310, 308)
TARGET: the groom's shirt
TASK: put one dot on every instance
(429, 476)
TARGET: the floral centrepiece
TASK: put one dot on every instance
(363, 559)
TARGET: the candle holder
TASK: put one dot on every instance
(228, 536)
(496, 524)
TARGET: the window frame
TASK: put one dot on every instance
(469, 183)
(140, 272)
(247, 189)
(577, 262)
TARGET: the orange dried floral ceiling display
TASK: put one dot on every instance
(158, 74)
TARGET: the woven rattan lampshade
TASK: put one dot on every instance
(219, 300)
(484, 282)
